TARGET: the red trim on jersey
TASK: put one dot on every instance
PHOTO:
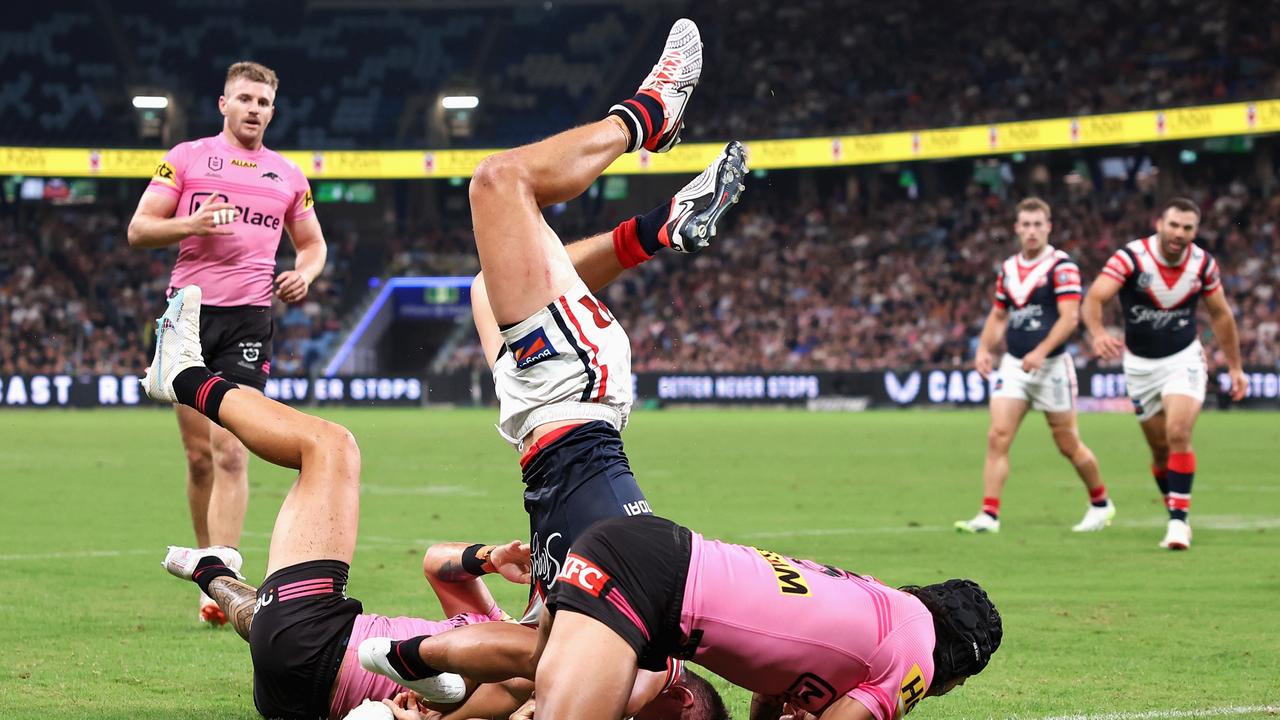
(1068, 296)
(595, 350)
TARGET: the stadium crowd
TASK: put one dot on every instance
(911, 64)
(784, 69)
(838, 284)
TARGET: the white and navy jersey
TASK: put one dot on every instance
(1159, 299)
(1031, 290)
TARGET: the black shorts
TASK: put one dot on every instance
(237, 342)
(298, 638)
(580, 478)
(629, 573)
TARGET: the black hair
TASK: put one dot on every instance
(707, 703)
(966, 628)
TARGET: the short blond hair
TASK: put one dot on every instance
(257, 72)
(1035, 204)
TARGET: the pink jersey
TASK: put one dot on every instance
(780, 626)
(267, 190)
(354, 684)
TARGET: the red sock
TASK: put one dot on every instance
(1161, 475)
(626, 244)
(1099, 496)
(991, 506)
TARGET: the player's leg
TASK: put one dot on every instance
(1181, 413)
(1066, 436)
(194, 429)
(586, 670)
(229, 496)
(1006, 415)
(526, 266)
(320, 513)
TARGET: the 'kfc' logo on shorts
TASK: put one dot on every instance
(583, 573)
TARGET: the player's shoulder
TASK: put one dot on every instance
(1062, 257)
(281, 160)
(1136, 247)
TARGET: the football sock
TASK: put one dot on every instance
(1098, 498)
(404, 657)
(202, 390)
(1182, 470)
(210, 567)
(636, 240)
(991, 506)
(1162, 479)
(643, 117)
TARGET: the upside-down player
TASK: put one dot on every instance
(224, 200)
(1159, 280)
(303, 630)
(1036, 310)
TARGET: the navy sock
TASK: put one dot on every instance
(649, 225)
(210, 567)
(202, 390)
(643, 116)
(405, 659)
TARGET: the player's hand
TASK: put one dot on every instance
(212, 218)
(983, 362)
(291, 287)
(408, 706)
(1239, 384)
(513, 561)
(790, 712)
(1107, 346)
(1032, 361)
(526, 710)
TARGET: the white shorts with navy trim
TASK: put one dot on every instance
(571, 360)
(1149, 379)
(1052, 388)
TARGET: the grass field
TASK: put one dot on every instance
(90, 626)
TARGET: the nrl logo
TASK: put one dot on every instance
(1144, 280)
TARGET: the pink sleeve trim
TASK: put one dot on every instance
(875, 700)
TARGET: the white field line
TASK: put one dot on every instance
(1163, 714)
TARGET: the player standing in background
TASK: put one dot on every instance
(1159, 279)
(1037, 309)
(224, 200)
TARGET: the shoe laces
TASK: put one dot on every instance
(666, 67)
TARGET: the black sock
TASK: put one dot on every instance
(202, 390)
(643, 116)
(210, 567)
(405, 659)
(648, 226)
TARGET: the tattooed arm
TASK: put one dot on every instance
(458, 589)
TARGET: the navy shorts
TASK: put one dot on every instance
(577, 480)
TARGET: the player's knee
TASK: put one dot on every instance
(999, 438)
(498, 173)
(1067, 441)
(231, 459)
(1178, 436)
(200, 465)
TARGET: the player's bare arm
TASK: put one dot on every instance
(450, 569)
(1224, 329)
(1066, 324)
(1100, 293)
(154, 226)
(311, 251)
(992, 333)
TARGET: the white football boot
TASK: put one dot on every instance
(1177, 536)
(181, 561)
(177, 344)
(671, 83)
(443, 688)
(695, 210)
(1096, 518)
(981, 523)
